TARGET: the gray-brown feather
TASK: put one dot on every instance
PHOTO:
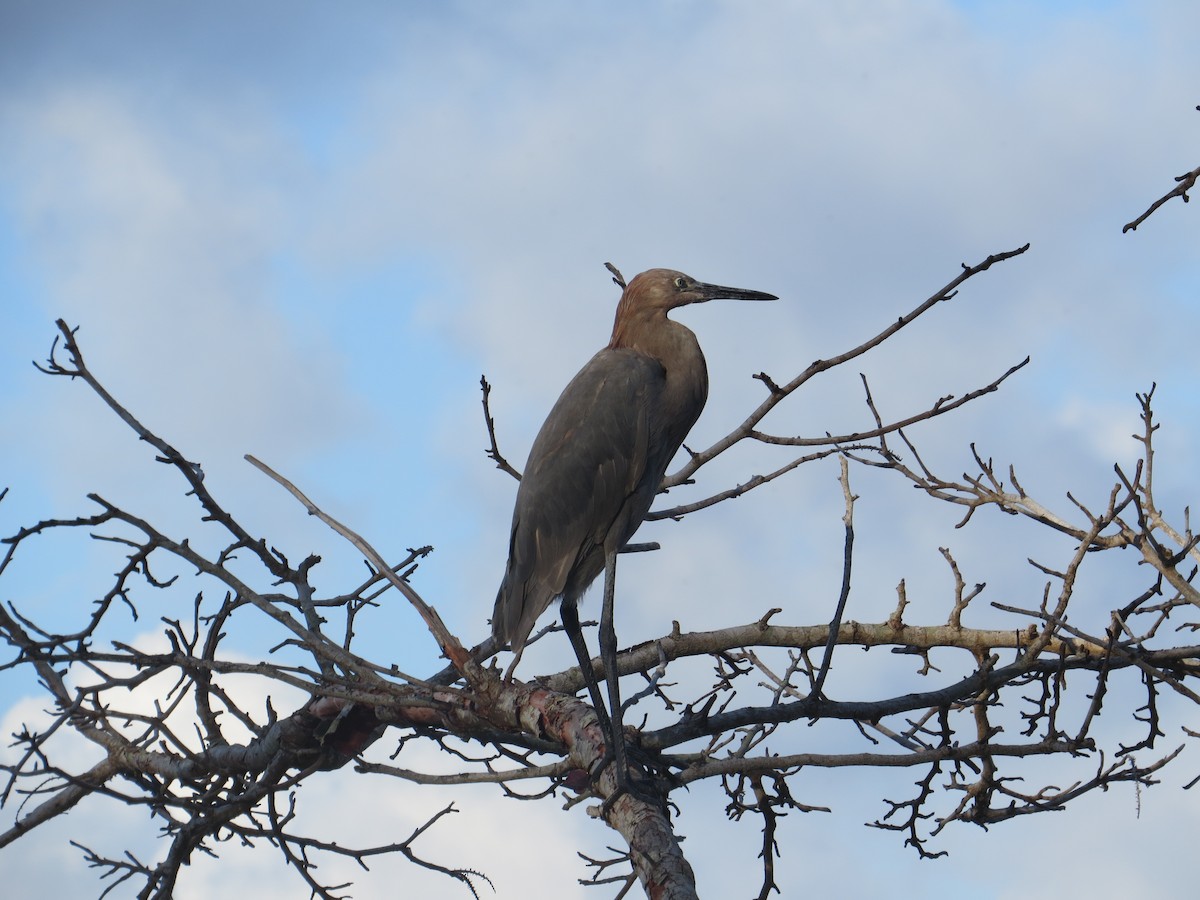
(592, 474)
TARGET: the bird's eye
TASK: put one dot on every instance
(680, 281)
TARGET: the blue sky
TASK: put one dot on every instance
(303, 232)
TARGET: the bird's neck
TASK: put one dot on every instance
(675, 347)
(652, 333)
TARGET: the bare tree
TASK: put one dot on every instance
(173, 739)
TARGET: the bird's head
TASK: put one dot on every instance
(651, 295)
(664, 289)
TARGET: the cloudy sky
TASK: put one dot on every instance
(304, 232)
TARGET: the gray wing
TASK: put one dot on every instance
(585, 484)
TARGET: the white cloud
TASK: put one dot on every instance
(156, 236)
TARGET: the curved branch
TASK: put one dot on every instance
(777, 393)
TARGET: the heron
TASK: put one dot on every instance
(594, 470)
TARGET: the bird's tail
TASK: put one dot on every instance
(514, 616)
(500, 628)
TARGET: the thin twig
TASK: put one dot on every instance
(450, 645)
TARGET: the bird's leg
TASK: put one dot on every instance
(614, 732)
(570, 621)
(610, 718)
(608, 654)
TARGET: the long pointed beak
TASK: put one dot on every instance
(719, 292)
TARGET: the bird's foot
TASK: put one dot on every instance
(633, 780)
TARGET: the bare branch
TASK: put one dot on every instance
(1183, 184)
(493, 452)
(450, 645)
(698, 460)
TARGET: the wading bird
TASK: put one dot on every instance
(595, 467)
